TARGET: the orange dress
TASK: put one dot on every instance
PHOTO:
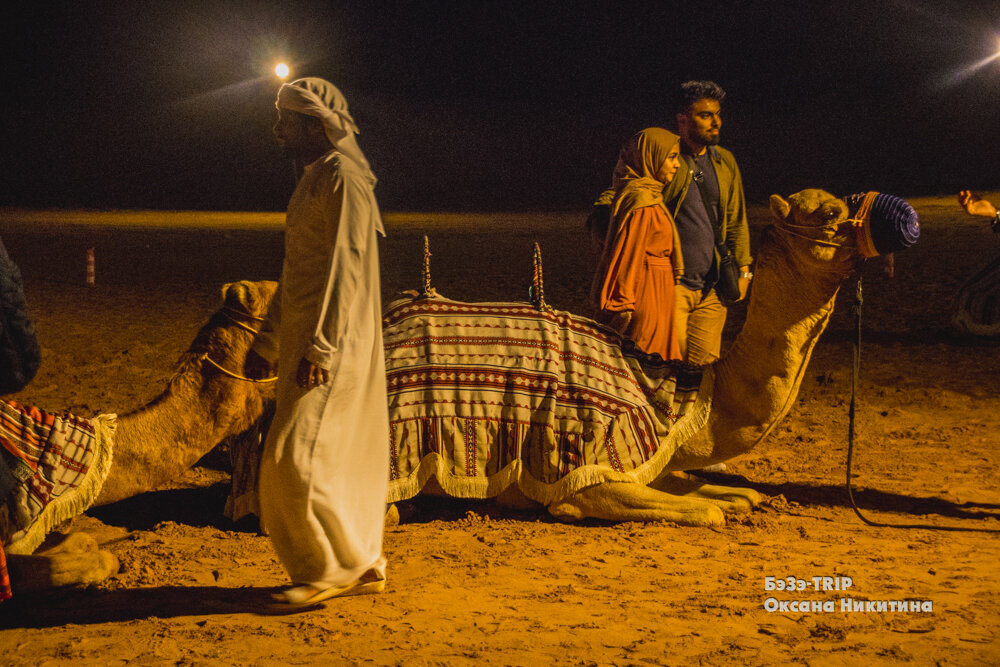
(640, 278)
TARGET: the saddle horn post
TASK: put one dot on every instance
(425, 270)
(537, 288)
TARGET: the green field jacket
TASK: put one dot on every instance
(733, 213)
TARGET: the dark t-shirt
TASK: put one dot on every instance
(694, 225)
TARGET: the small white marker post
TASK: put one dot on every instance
(90, 267)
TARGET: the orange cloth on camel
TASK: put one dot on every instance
(640, 278)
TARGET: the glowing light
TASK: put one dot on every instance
(281, 71)
(964, 73)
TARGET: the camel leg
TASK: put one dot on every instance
(730, 499)
(75, 560)
(391, 516)
(627, 501)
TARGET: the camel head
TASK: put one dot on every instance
(206, 401)
(831, 234)
(813, 247)
(219, 352)
(249, 298)
(226, 338)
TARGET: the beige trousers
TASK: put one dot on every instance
(698, 321)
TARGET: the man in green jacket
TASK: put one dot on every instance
(706, 188)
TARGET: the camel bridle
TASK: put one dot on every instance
(233, 316)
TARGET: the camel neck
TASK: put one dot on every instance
(756, 381)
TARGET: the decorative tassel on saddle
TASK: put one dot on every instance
(537, 291)
(426, 291)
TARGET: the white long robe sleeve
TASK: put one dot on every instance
(325, 468)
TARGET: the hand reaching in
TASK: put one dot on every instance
(976, 205)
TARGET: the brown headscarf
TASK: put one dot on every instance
(634, 178)
(635, 182)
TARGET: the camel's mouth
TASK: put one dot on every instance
(836, 232)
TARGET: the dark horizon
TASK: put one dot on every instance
(492, 106)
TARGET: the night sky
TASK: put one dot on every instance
(491, 105)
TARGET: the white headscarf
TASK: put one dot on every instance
(317, 97)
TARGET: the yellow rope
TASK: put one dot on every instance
(236, 375)
(246, 327)
(241, 314)
(242, 325)
(784, 230)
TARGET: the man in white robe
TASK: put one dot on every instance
(325, 467)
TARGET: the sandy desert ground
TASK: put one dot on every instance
(471, 583)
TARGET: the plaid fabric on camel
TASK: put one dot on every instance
(52, 467)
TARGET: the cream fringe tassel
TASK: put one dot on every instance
(457, 486)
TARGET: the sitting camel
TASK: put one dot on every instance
(206, 401)
(504, 399)
(519, 402)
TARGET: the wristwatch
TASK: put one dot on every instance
(746, 274)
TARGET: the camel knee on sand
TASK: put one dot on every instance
(76, 560)
(731, 499)
(680, 499)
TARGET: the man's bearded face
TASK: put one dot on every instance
(701, 124)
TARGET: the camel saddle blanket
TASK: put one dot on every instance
(487, 395)
(52, 467)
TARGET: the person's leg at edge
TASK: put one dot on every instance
(684, 302)
(704, 328)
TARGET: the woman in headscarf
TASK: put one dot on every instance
(633, 287)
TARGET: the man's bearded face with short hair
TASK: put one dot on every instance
(701, 124)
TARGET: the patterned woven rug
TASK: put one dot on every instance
(52, 467)
(486, 395)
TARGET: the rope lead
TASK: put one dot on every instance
(858, 300)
